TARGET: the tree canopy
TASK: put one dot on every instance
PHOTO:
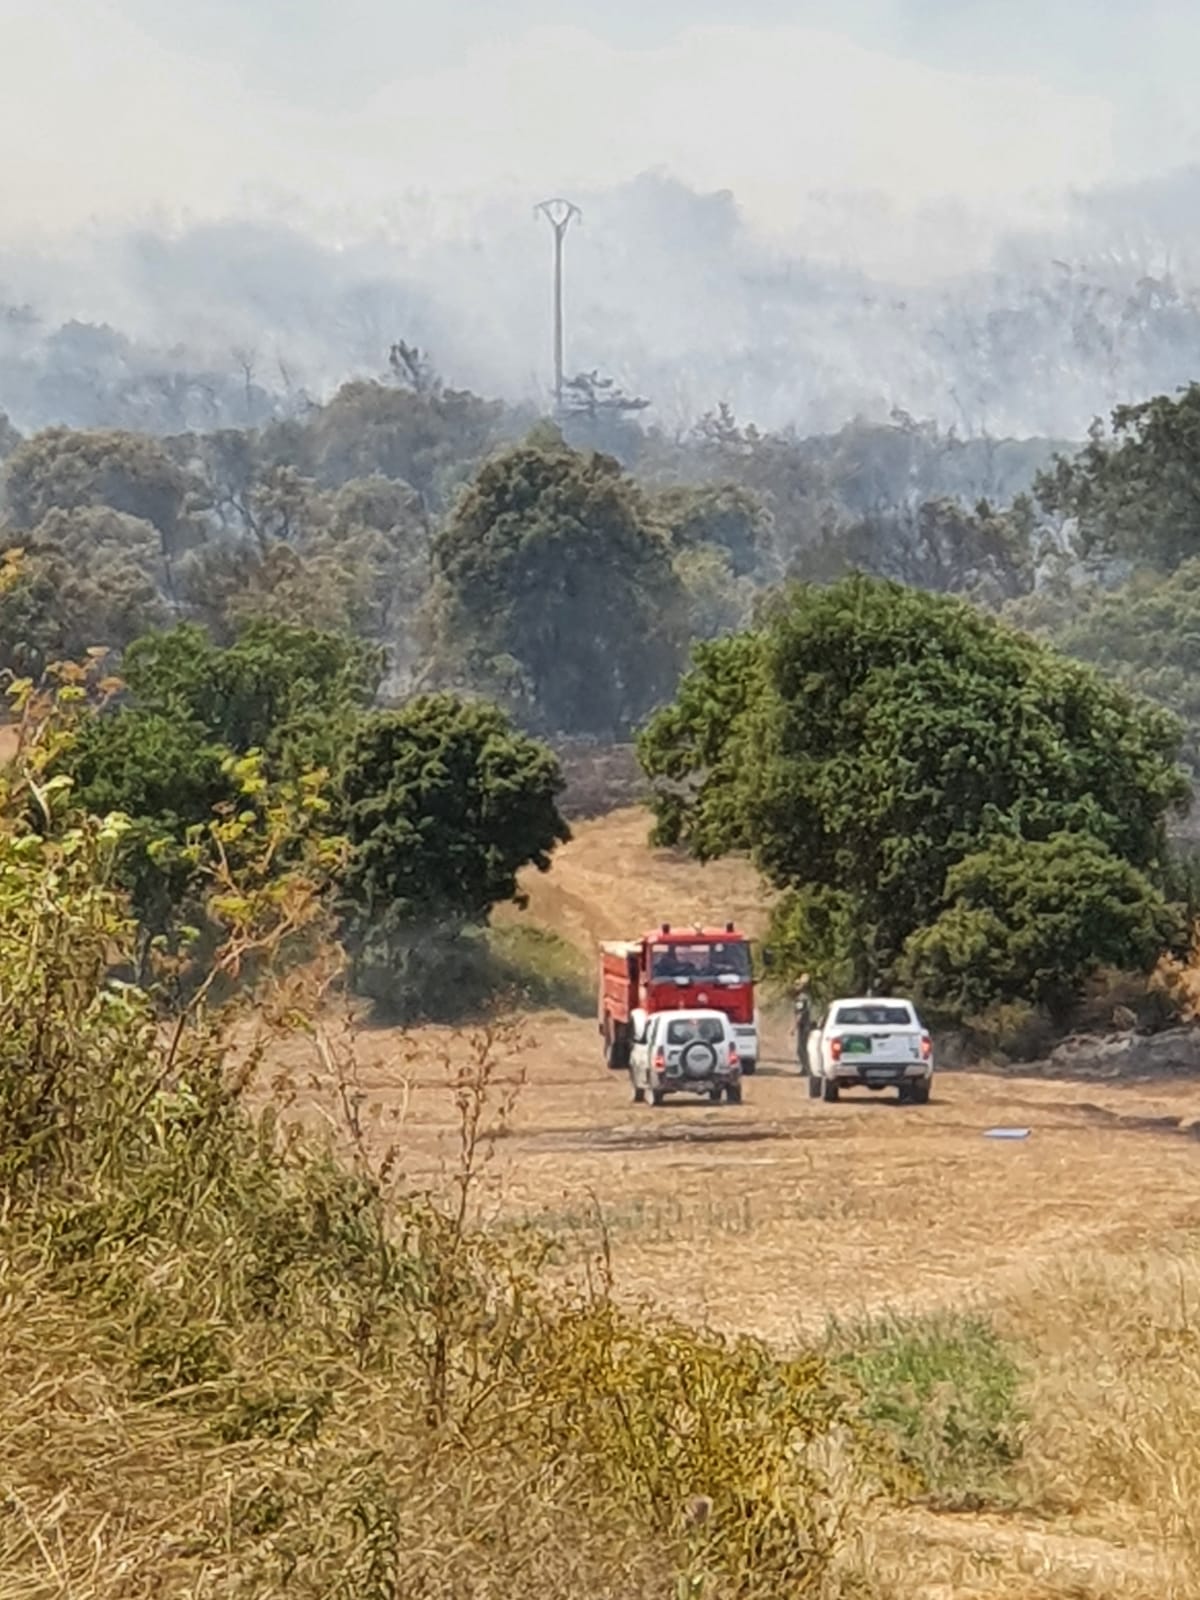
(869, 737)
(1144, 634)
(272, 683)
(442, 803)
(64, 470)
(1029, 920)
(553, 564)
(1136, 493)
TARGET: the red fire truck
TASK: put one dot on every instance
(673, 969)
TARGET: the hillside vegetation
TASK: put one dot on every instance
(317, 719)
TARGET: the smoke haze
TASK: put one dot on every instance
(813, 213)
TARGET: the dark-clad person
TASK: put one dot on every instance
(802, 1023)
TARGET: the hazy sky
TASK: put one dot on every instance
(199, 107)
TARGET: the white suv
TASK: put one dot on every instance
(871, 1044)
(686, 1052)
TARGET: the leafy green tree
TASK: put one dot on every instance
(1136, 493)
(792, 487)
(64, 470)
(277, 686)
(442, 803)
(164, 758)
(1030, 920)
(716, 599)
(553, 566)
(230, 585)
(869, 737)
(53, 609)
(105, 545)
(430, 438)
(1144, 634)
(168, 777)
(725, 516)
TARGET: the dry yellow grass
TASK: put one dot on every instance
(609, 883)
(1079, 1243)
(769, 1217)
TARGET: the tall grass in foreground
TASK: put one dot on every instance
(235, 1365)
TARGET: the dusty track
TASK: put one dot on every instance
(771, 1216)
(608, 882)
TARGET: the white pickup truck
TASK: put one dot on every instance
(870, 1044)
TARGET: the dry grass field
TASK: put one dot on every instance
(1076, 1243)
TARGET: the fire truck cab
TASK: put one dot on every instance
(675, 969)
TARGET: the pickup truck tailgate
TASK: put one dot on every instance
(880, 1046)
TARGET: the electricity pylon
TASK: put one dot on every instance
(560, 214)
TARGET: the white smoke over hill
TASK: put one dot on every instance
(672, 291)
(827, 223)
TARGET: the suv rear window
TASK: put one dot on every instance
(874, 1017)
(710, 1029)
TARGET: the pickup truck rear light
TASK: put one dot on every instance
(835, 1049)
(926, 1047)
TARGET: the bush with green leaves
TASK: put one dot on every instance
(1030, 920)
(164, 755)
(947, 1389)
(442, 803)
(868, 737)
(558, 584)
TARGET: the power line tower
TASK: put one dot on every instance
(560, 214)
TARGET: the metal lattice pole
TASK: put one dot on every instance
(560, 214)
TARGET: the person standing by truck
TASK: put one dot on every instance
(802, 1022)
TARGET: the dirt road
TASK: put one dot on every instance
(771, 1216)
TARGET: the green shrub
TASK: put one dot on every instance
(946, 1388)
(231, 1362)
(542, 968)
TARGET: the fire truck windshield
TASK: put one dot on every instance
(696, 962)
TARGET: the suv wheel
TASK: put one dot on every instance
(733, 1093)
(814, 1088)
(829, 1090)
(657, 1096)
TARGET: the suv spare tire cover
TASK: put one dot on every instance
(699, 1059)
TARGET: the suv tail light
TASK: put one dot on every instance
(835, 1049)
(926, 1047)
(733, 1055)
(660, 1061)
